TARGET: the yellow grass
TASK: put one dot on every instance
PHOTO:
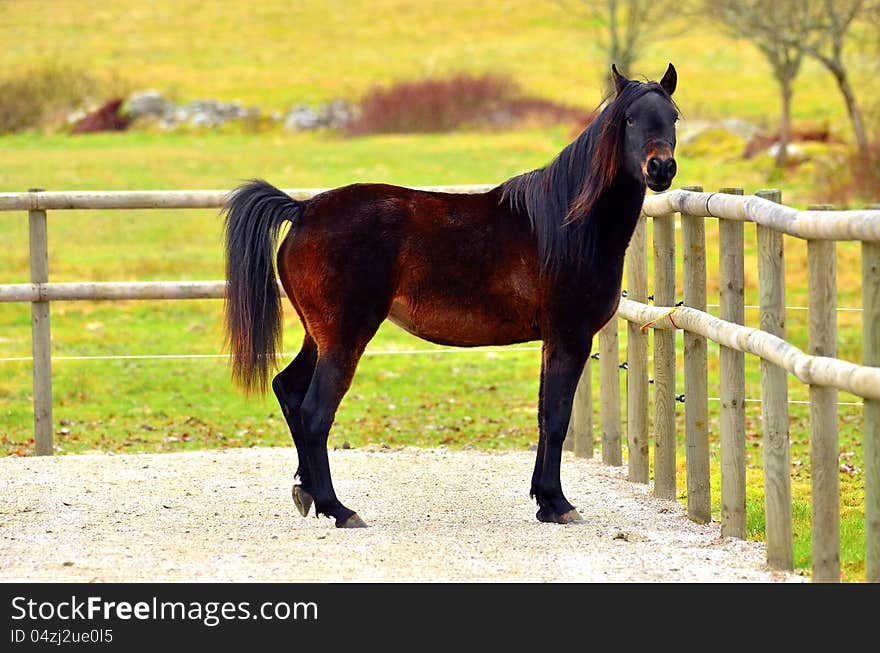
(275, 53)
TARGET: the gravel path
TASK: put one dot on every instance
(435, 515)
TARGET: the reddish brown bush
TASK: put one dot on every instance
(819, 133)
(582, 121)
(103, 119)
(439, 105)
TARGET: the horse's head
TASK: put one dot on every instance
(648, 129)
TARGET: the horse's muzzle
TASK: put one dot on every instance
(659, 172)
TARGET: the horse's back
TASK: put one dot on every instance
(384, 204)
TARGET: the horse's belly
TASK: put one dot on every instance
(464, 325)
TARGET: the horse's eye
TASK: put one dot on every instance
(630, 121)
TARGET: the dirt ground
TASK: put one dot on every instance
(434, 515)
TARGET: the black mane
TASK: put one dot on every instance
(561, 198)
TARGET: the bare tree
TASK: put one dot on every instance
(627, 23)
(872, 46)
(827, 28)
(776, 28)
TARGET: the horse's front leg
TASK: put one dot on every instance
(562, 366)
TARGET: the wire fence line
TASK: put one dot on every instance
(377, 352)
(841, 309)
(380, 352)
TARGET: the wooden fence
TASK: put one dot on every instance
(818, 367)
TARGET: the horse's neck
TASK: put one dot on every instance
(596, 280)
(616, 216)
(595, 285)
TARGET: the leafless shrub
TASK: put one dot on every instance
(440, 105)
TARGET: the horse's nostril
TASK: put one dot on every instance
(653, 166)
(671, 168)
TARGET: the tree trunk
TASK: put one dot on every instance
(855, 115)
(623, 59)
(835, 67)
(784, 122)
(613, 50)
(622, 48)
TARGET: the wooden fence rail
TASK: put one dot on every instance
(817, 368)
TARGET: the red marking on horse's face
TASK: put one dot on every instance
(661, 151)
(659, 165)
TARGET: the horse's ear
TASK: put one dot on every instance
(618, 79)
(670, 79)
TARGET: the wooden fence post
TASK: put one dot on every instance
(825, 466)
(580, 424)
(871, 356)
(732, 363)
(637, 358)
(609, 392)
(664, 360)
(774, 398)
(696, 407)
(41, 335)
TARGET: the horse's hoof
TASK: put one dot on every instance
(570, 517)
(302, 499)
(352, 522)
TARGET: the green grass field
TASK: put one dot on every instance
(280, 53)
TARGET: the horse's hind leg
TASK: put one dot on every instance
(333, 374)
(290, 387)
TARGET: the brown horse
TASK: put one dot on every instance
(539, 257)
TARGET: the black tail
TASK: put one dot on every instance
(255, 213)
